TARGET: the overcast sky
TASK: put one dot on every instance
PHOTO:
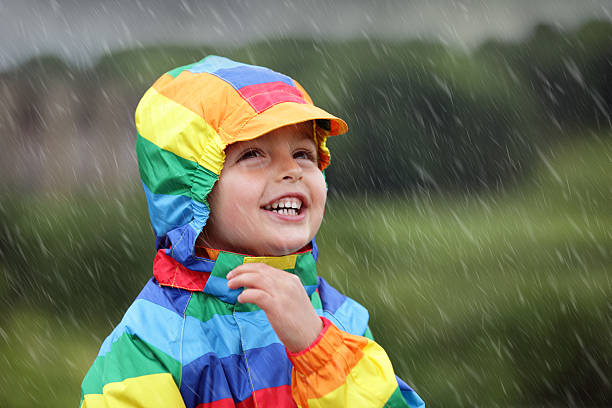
(81, 30)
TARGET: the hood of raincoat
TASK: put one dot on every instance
(185, 121)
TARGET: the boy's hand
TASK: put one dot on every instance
(282, 297)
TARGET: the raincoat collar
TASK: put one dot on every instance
(171, 273)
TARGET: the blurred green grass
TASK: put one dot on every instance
(490, 300)
(495, 299)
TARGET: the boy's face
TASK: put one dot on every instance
(259, 180)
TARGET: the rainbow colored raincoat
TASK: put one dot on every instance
(186, 341)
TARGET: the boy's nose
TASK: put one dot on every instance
(290, 170)
(292, 177)
(293, 174)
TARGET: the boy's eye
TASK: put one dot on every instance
(249, 154)
(305, 154)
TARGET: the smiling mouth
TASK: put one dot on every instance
(285, 206)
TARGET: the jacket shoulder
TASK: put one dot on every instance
(144, 346)
(155, 317)
(346, 313)
(172, 299)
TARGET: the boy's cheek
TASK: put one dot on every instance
(321, 185)
(321, 197)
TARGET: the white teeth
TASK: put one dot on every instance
(285, 211)
(285, 203)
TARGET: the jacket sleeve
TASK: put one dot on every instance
(129, 372)
(343, 370)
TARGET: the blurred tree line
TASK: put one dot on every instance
(421, 114)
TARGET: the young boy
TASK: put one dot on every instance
(231, 159)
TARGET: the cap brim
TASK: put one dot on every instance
(288, 113)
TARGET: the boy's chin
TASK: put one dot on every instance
(283, 249)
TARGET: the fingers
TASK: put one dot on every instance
(258, 297)
(248, 280)
(261, 279)
(258, 281)
(251, 267)
(255, 275)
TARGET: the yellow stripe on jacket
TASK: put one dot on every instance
(150, 391)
